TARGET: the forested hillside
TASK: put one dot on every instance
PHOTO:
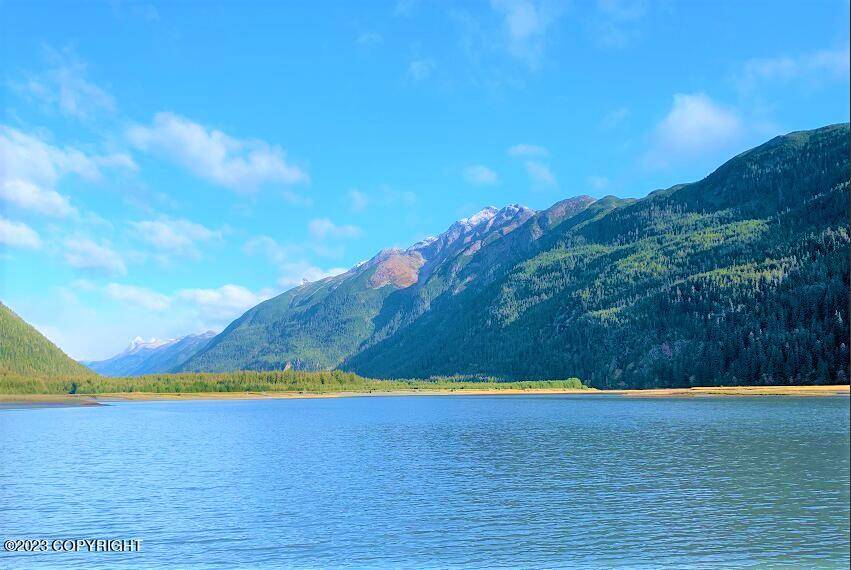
(740, 278)
(316, 326)
(27, 359)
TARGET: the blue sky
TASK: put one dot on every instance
(167, 166)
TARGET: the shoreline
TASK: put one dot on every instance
(17, 401)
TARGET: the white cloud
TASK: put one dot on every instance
(29, 158)
(321, 228)
(179, 236)
(242, 165)
(15, 234)
(358, 201)
(64, 87)
(421, 69)
(598, 182)
(540, 173)
(298, 273)
(813, 66)
(84, 331)
(528, 150)
(213, 307)
(31, 168)
(526, 23)
(289, 260)
(614, 118)
(226, 302)
(269, 248)
(83, 253)
(480, 175)
(140, 296)
(28, 196)
(117, 160)
(694, 124)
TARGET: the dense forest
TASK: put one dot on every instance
(295, 381)
(28, 361)
(740, 278)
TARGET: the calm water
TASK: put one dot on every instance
(538, 481)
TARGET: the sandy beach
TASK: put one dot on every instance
(12, 401)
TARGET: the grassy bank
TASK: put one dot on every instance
(324, 382)
(12, 401)
(297, 384)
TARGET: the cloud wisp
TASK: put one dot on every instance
(526, 24)
(31, 168)
(213, 306)
(817, 66)
(480, 175)
(175, 236)
(528, 150)
(288, 259)
(139, 296)
(321, 228)
(540, 174)
(694, 124)
(86, 254)
(210, 154)
(64, 87)
(16, 234)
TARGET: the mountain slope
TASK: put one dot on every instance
(27, 358)
(151, 357)
(740, 278)
(318, 325)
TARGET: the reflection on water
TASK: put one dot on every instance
(537, 481)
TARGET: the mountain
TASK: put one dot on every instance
(740, 278)
(28, 359)
(318, 325)
(154, 356)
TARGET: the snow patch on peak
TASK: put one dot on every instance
(514, 208)
(139, 343)
(491, 213)
(423, 243)
(483, 215)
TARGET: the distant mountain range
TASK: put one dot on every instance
(740, 278)
(151, 357)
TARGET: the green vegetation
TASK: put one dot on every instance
(312, 327)
(29, 362)
(269, 381)
(741, 278)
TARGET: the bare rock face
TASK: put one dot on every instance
(403, 268)
(397, 268)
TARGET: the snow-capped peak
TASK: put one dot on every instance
(139, 343)
(479, 217)
(425, 242)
